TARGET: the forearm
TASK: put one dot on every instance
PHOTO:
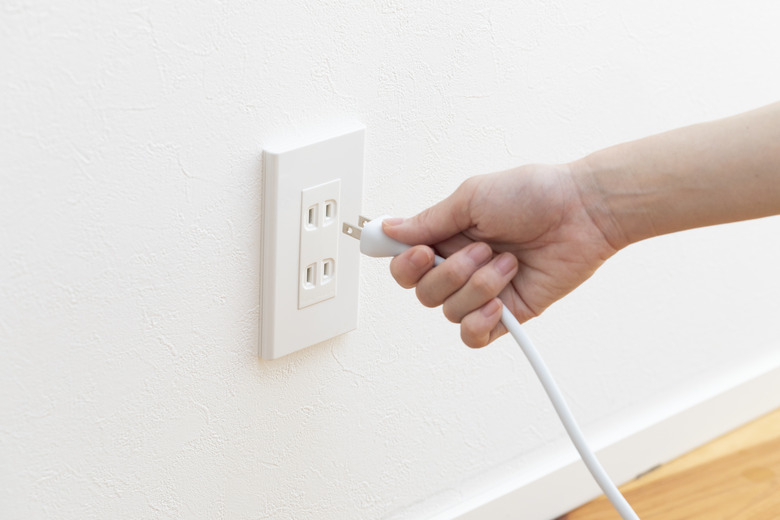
(710, 173)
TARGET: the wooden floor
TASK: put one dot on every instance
(735, 477)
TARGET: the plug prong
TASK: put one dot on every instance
(350, 230)
(362, 220)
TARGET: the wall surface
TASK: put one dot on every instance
(130, 163)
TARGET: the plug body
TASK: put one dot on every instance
(374, 242)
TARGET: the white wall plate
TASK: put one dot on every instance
(310, 270)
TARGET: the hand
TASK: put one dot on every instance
(522, 237)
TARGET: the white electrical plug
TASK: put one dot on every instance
(373, 240)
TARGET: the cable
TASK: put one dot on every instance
(374, 242)
(617, 500)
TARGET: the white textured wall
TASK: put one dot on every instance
(130, 137)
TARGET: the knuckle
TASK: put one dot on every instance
(401, 276)
(450, 313)
(428, 219)
(469, 184)
(483, 282)
(457, 271)
(426, 298)
(471, 340)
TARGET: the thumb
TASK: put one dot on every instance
(437, 223)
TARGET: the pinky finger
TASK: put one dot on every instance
(482, 325)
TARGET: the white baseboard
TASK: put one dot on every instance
(666, 435)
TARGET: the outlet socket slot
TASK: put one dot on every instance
(330, 212)
(308, 277)
(328, 268)
(311, 217)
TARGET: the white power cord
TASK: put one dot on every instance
(374, 242)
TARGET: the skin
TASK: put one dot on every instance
(529, 236)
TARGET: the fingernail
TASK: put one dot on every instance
(393, 221)
(479, 252)
(490, 308)
(419, 258)
(505, 263)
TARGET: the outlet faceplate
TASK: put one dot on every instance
(310, 271)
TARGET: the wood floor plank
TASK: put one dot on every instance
(736, 477)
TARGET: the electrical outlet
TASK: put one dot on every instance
(310, 270)
(319, 249)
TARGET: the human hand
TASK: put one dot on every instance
(522, 237)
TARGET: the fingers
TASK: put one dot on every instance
(467, 284)
(452, 245)
(439, 284)
(437, 223)
(483, 285)
(483, 325)
(408, 267)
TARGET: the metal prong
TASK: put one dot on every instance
(350, 230)
(362, 220)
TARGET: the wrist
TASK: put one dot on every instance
(594, 176)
